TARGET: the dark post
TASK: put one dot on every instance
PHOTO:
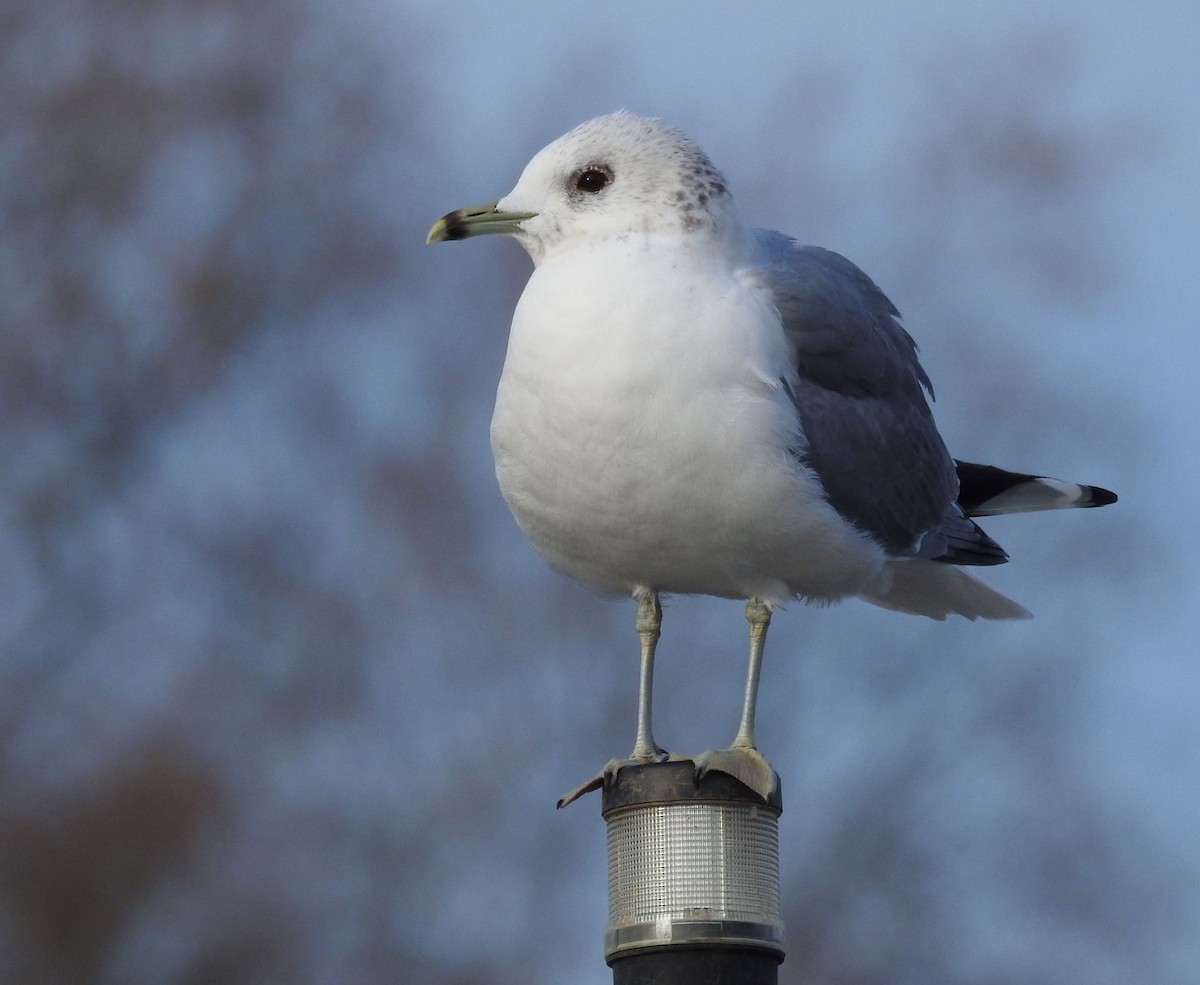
(693, 879)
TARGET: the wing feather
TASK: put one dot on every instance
(860, 395)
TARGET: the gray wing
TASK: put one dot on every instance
(859, 391)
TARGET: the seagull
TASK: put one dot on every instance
(690, 405)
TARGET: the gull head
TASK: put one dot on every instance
(614, 176)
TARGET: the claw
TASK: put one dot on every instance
(595, 783)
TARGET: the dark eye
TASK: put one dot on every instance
(592, 180)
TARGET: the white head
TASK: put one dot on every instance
(612, 176)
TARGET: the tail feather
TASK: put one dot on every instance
(930, 588)
(985, 490)
(935, 587)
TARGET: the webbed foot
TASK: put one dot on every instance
(607, 776)
(743, 763)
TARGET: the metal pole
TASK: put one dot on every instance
(693, 879)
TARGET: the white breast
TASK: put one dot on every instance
(651, 446)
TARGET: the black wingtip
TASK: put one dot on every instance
(1102, 496)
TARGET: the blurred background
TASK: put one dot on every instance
(284, 694)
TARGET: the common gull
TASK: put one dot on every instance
(692, 405)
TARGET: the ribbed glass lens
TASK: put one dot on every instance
(691, 873)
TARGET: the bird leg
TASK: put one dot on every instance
(758, 615)
(742, 759)
(649, 623)
(645, 749)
